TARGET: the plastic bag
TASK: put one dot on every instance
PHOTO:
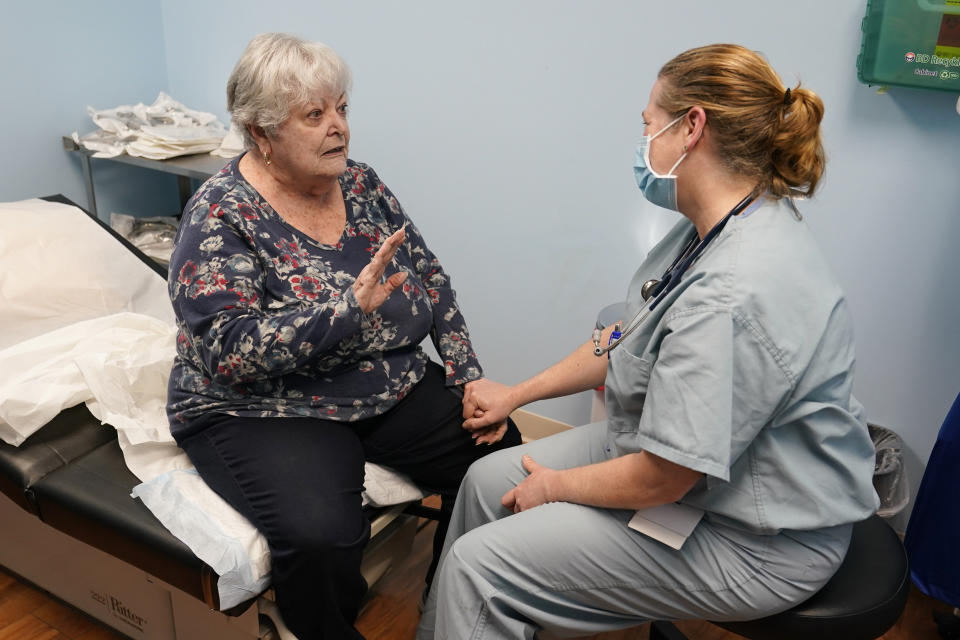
(889, 477)
(154, 236)
(165, 129)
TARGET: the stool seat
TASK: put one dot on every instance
(863, 599)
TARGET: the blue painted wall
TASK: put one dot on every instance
(58, 57)
(507, 130)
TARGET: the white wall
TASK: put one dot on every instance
(507, 130)
(56, 58)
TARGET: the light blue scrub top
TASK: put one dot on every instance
(744, 373)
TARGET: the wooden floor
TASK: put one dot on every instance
(27, 613)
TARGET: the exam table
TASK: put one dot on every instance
(69, 525)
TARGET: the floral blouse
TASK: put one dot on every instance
(267, 321)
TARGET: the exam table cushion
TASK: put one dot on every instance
(89, 499)
(71, 434)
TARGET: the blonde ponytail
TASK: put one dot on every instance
(761, 129)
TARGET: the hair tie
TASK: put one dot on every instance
(786, 97)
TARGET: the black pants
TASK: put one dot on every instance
(298, 481)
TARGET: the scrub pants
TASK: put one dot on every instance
(574, 570)
(298, 481)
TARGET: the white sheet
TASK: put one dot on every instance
(58, 267)
(44, 375)
(114, 353)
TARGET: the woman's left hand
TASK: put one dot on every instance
(489, 435)
(536, 489)
(369, 288)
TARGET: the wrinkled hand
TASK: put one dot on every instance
(536, 488)
(369, 288)
(489, 435)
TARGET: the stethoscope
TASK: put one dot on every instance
(658, 289)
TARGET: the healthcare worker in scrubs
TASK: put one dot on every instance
(729, 392)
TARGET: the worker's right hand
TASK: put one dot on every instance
(486, 403)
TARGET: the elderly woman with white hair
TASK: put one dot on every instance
(302, 292)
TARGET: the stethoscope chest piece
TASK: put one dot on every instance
(647, 288)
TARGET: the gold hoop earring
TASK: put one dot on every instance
(266, 157)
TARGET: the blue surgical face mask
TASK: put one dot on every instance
(660, 189)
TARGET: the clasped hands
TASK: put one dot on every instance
(486, 405)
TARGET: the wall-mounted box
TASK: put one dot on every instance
(911, 43)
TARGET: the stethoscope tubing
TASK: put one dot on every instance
(670, 279)
(599, 351)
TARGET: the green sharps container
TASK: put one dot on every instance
(911, 43)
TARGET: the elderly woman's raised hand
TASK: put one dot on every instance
(370, 289)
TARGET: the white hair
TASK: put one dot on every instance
(276, 73)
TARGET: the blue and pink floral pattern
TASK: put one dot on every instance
(268, 324)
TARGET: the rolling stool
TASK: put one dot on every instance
(860, 602)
